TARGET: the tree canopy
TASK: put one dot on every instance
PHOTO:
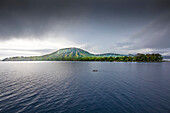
(137, 58)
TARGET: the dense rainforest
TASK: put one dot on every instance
(137, 58)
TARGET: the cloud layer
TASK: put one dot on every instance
(96, 25)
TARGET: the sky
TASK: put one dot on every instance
(38, 27)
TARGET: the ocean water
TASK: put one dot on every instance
(72, 87)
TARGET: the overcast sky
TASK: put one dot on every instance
(37, 27)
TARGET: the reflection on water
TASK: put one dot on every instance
(74, 87)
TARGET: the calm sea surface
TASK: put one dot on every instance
(73, 87)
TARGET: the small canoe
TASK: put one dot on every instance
(95, 70)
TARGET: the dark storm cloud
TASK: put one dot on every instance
(154, 35)
(36, 18)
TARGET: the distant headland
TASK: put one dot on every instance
(77, 54)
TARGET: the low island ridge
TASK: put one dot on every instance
(77, 54)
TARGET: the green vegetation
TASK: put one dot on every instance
(75, 54)
(136, 58)
(148, 57)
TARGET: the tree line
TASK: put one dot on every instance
(137, 58)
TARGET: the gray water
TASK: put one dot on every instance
(73, 87)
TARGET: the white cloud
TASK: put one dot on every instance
(31, 47)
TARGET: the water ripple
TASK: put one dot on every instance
(72, 87)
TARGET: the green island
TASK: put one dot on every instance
(76, 54)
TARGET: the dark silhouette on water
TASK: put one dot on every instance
(95, 70)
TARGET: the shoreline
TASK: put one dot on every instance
(82, 61)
